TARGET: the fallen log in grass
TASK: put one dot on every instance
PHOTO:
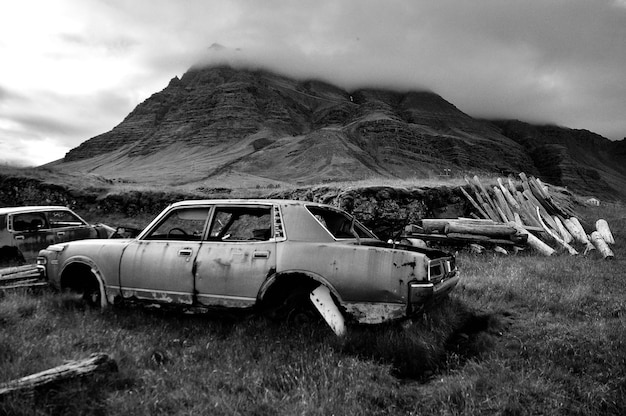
(601, 245)
(603, 228)
(97, 362)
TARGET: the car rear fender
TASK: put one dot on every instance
(292, 279)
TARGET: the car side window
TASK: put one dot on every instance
(29, 221)
(183, 224)
(241, 224)
(60, 219)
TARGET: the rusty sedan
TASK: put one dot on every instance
(278, 256)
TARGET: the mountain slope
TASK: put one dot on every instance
(229, 126)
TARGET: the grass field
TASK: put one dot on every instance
(520, 335)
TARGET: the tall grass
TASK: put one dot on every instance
(520, 335)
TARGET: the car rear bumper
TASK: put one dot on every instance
(422, 293)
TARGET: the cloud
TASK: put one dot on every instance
(76, 69)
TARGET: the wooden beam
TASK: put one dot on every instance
(95, 363)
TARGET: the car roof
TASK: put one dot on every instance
(13, 210)
(243, 201)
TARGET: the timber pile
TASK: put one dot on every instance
(544, 217)
(27, 276)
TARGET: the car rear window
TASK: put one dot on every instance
(339, 223)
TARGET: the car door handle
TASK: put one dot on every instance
(61, 233)
(185, 252)
(261, 255)
(19, 237)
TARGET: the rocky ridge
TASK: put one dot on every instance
(219, 124)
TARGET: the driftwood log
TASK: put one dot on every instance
(603, 228)
(97, 362)
(601, 245)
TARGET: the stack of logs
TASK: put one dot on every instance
(517, 215)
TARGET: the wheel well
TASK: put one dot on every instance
(11, 256)
(78, 277)
(286, 284)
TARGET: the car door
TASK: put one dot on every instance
(160, 266)
(30, 233)
(239, 254)
(67, 226)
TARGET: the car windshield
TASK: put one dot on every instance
(339, 224)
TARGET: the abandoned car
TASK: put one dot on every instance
(26, 230)
(274, 255)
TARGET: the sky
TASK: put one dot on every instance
(73, 69)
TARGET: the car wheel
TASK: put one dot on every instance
(298, 310)
(92, 294)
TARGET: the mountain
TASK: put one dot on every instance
(220, 125)
(580, 159)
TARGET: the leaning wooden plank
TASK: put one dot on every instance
(603, 228)
(524, 179)
(72, 369)
(503, 203)
(601, 245)
(584, 236)
(492, 215)
(542, 211)
(558, 239)
(526, 212)
(512, 187)
(534, 242)
(474, 203)
(544, 197)
(565, 235)
(537, 188)
(509, 197)
(486, 207)
(578, 234)
(486, 195)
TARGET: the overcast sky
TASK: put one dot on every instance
(73, 69)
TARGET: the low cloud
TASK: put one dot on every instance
(80, 70)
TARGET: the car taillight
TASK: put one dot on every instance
(438, 269)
